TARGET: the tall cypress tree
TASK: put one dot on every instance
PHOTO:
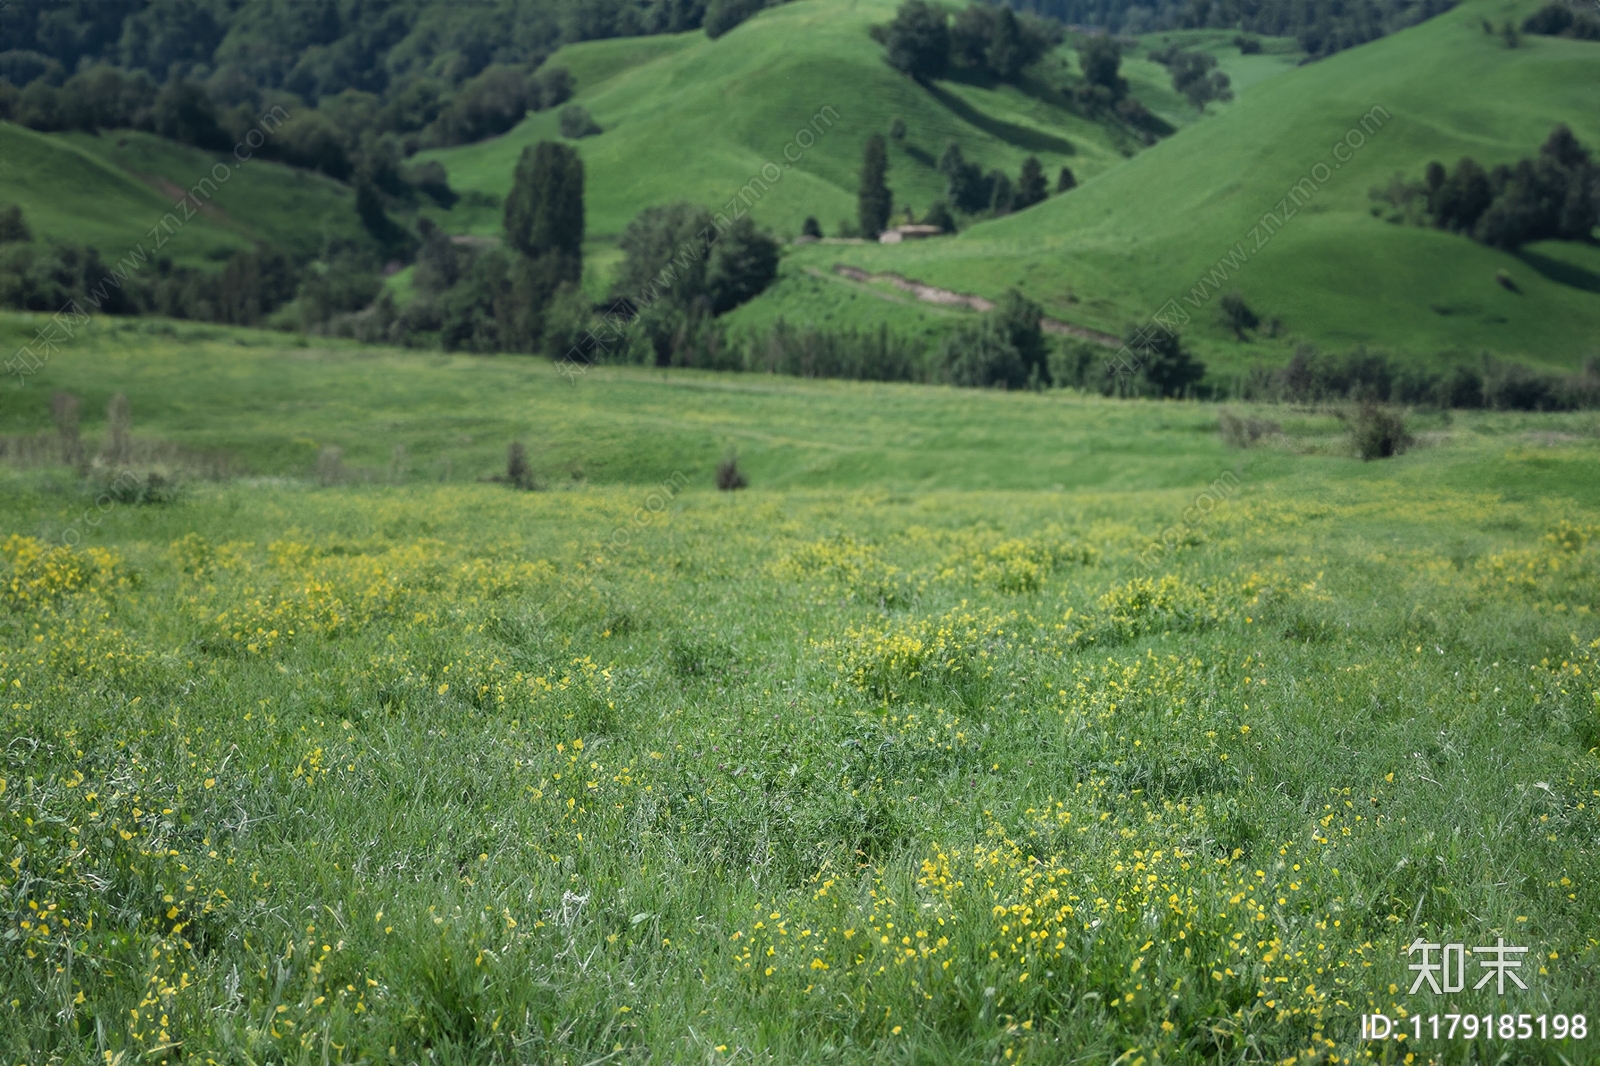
(874, 201)
(544, 225)
(1031, 184)
(544, 212)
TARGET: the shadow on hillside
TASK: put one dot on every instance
(1021, 136)
(1561, 273)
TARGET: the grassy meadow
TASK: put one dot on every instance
(981, 727)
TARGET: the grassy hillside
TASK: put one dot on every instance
(110, 190)
(912, 752)
(1147, 232)
(69, 193)
(292, 209)
(690, 118)
(687, 117)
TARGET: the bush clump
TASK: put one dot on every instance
(1379, 433)
(1243, 432)
(729, 476)
(576, 122)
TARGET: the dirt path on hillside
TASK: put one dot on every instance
(177, 194)
(950, 298)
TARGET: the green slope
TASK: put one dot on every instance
(295, 210)
(690, 118)
(1148, 232)
(110, 190)
(67, 193)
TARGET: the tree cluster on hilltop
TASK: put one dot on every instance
(984, 39)
(1554, 195)
(1322, 27)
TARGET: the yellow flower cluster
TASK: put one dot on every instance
(886, 660)
(1016, 564)
(1144, 605)
(35, 575)
(848, 566)
(1563, 567)
(253, 606)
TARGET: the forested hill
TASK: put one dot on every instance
(416, 55)
(1321, 26)
(313, 48)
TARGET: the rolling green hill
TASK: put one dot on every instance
(1147, 232)
(110, 190)
(685, 117)
(69, 193)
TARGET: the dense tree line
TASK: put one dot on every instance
(1007, 349)
(970, 190)
(345, 133)
(1560, 20)
(1366, 376)
(429, 72)
(984, 39)
(314, 48)
(1321, 26)
(36, 276)
(1552, 196)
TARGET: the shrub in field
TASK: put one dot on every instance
(729, 476)
(1244, 432)
(850, 568)
(576, 122)
(518, 473)
(128, 487)
(1145, 605)
(1379, 433)
(1016, 564)
(13, 227)
(330, 465)
(119, 432)
(1237, 315)
(33, 574)
(1165, 367)
(64, 412)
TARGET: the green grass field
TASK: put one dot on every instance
(981, 727)
(109, 191)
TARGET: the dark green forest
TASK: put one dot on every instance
(1321, 26)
